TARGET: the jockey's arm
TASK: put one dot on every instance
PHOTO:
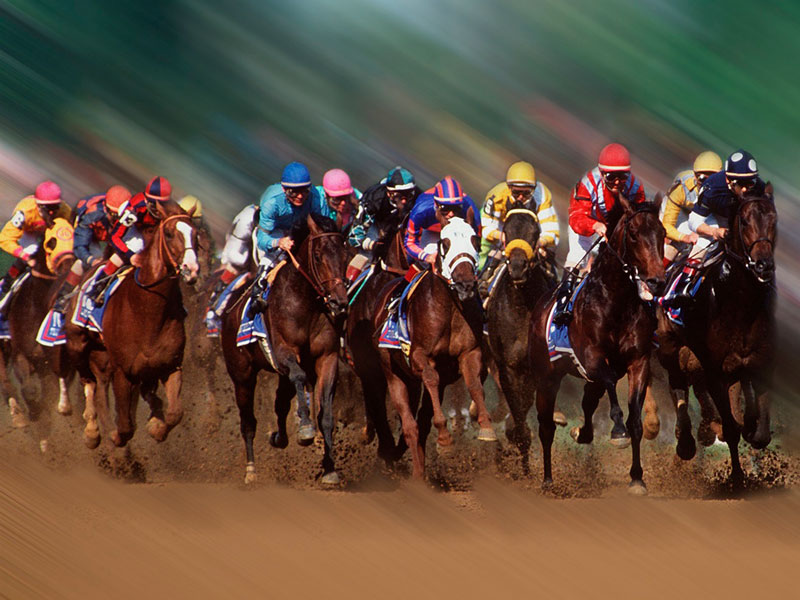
(548, 221)
(673, 204)
(580, 215)
(697, 223)
(81, 241)
(411, 241)
(9, 239)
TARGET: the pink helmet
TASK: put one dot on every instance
(48, 192)
(337, 183)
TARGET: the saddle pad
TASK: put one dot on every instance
(355, 288)
(558, 342)
(86, 314)
(250, 328)
(51, 331)
(395, 331)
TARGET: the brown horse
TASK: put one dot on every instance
(307, 304)
(390, 262)
(611, 333)
(445, 321)
(143, 331)
(730, 327)
(519, 286)
(26, 311)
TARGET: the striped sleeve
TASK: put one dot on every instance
(411, 241)
(548, 219)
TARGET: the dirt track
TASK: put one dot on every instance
(175, 519)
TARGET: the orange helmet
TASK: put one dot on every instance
(116, 196)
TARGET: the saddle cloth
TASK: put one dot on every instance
(558, 342)
(86, 314)
(395, 332)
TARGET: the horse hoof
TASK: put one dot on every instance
(487, 434)
(547, 485)
(575, 433)
(250, 474)
(18, 418)
(91, 441)
(367, 435)
(305, 435)
(473, 411)
(705, 433)
(686, 449)
(276, 440)
(559, 419)
(637, 488)
(157, 429)
(330, 479)
(64, 409)
(43, 446)
(620, 443)
(651, 427)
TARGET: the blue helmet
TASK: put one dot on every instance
(400, 179)
(295, 174)
(741, 165)
(448, 191)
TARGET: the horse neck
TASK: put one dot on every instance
(154, 269)
(395, 256)
(610, 271)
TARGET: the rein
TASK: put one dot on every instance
(163, 250)
(745, 259)
(314, 279)
(631, 271)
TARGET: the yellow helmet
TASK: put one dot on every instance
(189, 202)
(707, 162)
(521, 173)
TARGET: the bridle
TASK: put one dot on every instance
(164, 251)
(314, 278)
(745, 259)
(519, 243)
(631, 271)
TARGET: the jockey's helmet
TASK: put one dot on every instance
(337, 183)
(448, 191)
(522, 174)
(295, 174)
(158, 188)
(400, 179)
(741, 165)
(614, 157)
(189, 202)
(47, 193)
(707, 162)
(116, 196)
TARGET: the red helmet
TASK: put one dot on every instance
(614, 157)
(48, 192)
(116, 196)
(159, 189)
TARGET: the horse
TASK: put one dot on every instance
(445, 322)
(611, 334)
(730, 328)
(26, 311)
(306, 306)
(391, 262)
(519, 286)
(147, 303)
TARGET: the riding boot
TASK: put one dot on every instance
(486, 276)
(60, 304)
(257, 301)
(98, 290)
(219, 287)
(5, 287)
(562, 314)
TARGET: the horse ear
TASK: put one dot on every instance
(476, 243)
(312, 225)
(191, 210)
(445, 245)
(623, 201)
(160, 210)
(768, 191)
(658, 199)
(470, 216)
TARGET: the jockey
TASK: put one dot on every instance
(341, 199)
(711, 213)
(126, 237)
(381, 211)
(237, 250)
(681, 199)
(22, 235)
(282, 205)
(431, 212)
(596, 200)
(188, 203)
(519, 190)
(94, 220)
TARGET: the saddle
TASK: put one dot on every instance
(394, 331)
(86, 313)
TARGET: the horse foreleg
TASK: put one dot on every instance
(156, 425)
(244, 392)
(123, 394)
(327, 369)
(18, 418)
(172, 388)
(430, 379)
(620, 437)
(305, 431)
(283, 403)
(650, 422)
(546, 394)
(678, 392)
(718, 386)
(761, 436)
(400, 400)
(638, 380)
(470, 365)
(592, 392)
(91, 432)
(519, 402)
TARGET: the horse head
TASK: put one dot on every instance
(638, 241)
(324, 257)
(176, 240)
(753, 234)
(458, 257)
(521, 232)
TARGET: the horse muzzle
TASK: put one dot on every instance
(189, 273)
(465, 289)
(764, 270)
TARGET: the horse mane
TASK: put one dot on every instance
(300, 230)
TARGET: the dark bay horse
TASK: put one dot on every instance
(730, 327)
(611, 333)
(522, 283)
(304, 319)
(26, 311)
(391, 262)
(445, 321)
(143, 327)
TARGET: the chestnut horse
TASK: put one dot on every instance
(304, 317)
(143, 332)
(445, 322)
(611, 333)
(730, 327)
(390, 261)
(522, 283)
(26, 311)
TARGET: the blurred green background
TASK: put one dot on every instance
(219, 97)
